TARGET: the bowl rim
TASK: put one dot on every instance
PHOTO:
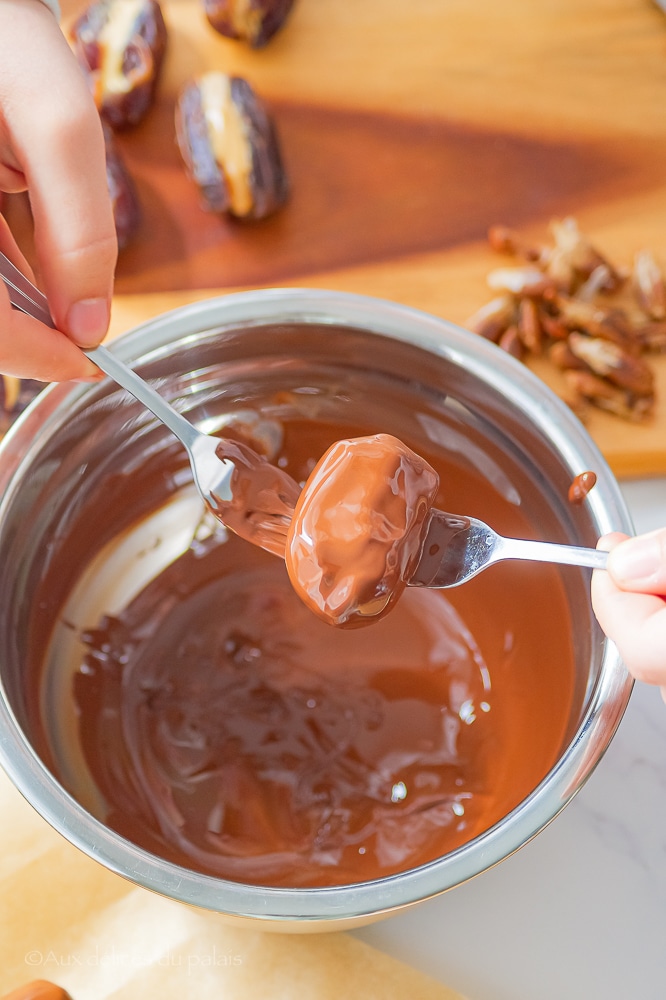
(356, 901)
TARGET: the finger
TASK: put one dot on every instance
(65, 167)
(28, 349)
(639, 564)
(608, 542)
(636, 623)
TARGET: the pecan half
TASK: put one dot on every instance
(252, 21)
(563, 357)
(552, 325)
(648, 284)
(505, 240)
(493, 318)
(606, 323)
(120, 45)
(230, 146)
(528, 280)
(596, 282)
(653, 336)
(529, 326)
(611, 398)
(609, 360)
(574, 258)
(511, 342)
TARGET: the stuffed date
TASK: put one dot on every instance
(120, 45)
(252, 21)
(230, 147)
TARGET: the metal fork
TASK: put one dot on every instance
(212, 474)
(455, 548)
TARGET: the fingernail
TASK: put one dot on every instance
(637, 559)
(88, 321)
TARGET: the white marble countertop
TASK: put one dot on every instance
(580, 912)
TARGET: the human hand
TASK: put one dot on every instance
(629, 600)
(51, 144)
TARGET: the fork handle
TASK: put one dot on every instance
(552, 552)
(26, 297)
(23, 295)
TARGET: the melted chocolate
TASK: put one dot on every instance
(227, 729)
(581, 486)
(228, 726)
(262, 501)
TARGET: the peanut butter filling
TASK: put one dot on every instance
(228, 138)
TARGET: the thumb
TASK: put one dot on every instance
(639, 564)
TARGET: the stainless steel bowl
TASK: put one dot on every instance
(374, 358)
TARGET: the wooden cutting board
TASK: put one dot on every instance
(407, 130)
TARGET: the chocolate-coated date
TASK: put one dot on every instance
(120, 45)
(230, 147)
(252, 21)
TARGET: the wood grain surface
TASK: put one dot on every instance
(407, 130)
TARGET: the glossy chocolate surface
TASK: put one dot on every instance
(356, 534)
(263, 497)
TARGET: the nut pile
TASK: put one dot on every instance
(595, 321)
